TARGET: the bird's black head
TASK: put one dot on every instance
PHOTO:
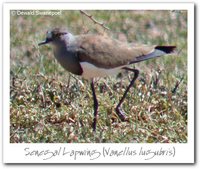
(55, 34)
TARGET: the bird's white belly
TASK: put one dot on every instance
(92, 71)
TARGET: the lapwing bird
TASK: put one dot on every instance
(93, 56)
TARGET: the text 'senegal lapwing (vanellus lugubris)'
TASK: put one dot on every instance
(93, 56)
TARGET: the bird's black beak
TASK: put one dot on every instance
(45, 42)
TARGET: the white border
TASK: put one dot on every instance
(14, 153)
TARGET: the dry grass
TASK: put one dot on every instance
(49, 105)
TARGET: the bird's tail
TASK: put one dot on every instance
(158, 51)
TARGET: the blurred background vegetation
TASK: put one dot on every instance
(50, 105)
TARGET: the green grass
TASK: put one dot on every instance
(50, 105)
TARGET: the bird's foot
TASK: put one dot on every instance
(120, 112)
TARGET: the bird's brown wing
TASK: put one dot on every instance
(105, 52)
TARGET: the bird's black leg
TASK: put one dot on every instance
(95, 106)
(119, 110)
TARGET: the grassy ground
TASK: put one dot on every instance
(48, 104)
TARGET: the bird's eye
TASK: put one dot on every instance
(62, 33)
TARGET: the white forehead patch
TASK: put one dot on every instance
(49, 34)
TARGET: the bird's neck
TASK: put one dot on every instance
(64, 42)
(65, 53)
